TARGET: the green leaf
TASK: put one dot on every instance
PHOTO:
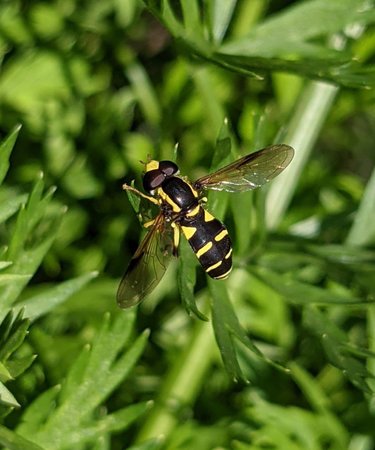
(283, 42)
(134, 199)
(13, 441)
(289, 31)
(187, 279)
(79, 180)
(38, 412)
(12, 278)
(14, 340)
(354, 257)
(82, 392)
(43, 303)
(118, 421)
(221, 13)
(306, 122)
(223, 154)
(10, 203)
(191, 18)
(338, 349)
(223, 149)
(226, 328)
(362, 232)
(337, 70)
(144, 92)
(29, 215)
(28, 261)
(205, 85)
(7, 398)
(13, 334)
(151, 444)
(6, 147)
(303, 293)
(19, 235)
(17, 366)
(13, 330)
(4, 373)
(277, 425)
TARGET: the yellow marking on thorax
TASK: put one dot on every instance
(188, 231)
(194, 191)
(208, 217)
(204, 249)
(167, 199)
(193, 212)
(221, 235)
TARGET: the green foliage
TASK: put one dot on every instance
(31, 235)
(280, 355)
(13, 331)
(284, 42)
(65, 417)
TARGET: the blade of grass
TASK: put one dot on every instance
(181, 385)
(362, 231)
(191, 18)
(304, 127)
(144, 92)
(248, 14)
(205, 87)
(221, 12)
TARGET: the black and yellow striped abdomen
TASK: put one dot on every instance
(210, 241)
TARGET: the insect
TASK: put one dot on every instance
(181, 210)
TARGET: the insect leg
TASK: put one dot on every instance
(126, 187)
(149, 223)
(176, 238)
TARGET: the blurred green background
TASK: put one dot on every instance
(99, 85)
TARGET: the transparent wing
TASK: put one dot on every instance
(147, 266)
(249, 172)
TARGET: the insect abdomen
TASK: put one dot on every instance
(210, 241)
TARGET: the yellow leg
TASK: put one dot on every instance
(149, 223)
(176, 238)
(126, 187)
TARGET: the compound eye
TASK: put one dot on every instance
(152, 180)
(169, 168)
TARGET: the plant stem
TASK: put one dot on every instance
(182, 383)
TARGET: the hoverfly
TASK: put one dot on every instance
(181, 211)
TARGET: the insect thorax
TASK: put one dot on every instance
(177, 196)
